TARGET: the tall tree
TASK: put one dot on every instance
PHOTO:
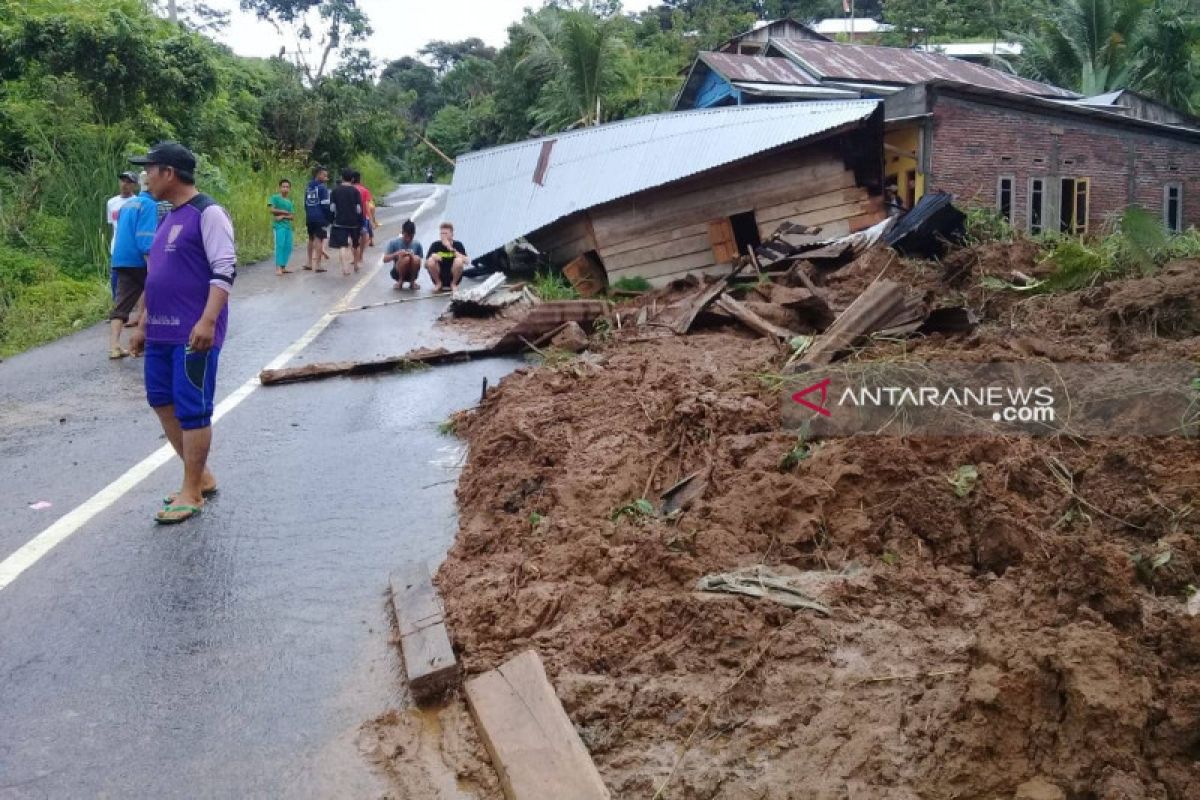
(318, 28)
(578, 54)
(1086, 45)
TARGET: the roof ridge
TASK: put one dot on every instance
(761, 110)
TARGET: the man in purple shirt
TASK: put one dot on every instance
(191, 268)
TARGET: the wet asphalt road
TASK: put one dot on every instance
(236, 655)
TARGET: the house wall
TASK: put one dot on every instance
(976, 143)
(663, 233)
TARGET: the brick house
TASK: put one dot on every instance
(1046, 158)
(1048, 165)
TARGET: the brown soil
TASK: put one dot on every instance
(997, 645)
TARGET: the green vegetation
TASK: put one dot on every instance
(636, 510)
(552, 286)
(631, 283)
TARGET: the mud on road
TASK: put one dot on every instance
(1014, 641)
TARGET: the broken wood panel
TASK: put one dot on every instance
(536, 751)
(564, 231)
(429, 661)
(752, 320)
(659, 251)
(587, 275)
(816, 202)
(725, 192)
(545, 317)
(720, 237)
(329, 369)
(658, 237)
(878, 303)
(866, 220)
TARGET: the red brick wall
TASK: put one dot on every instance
(975, 143)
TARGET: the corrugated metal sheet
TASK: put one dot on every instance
(784, 90)
(865, 63)
(494, 200)
(758, 69)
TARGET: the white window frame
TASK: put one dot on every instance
(1029, 204)
(1012, 196)
(1178, 187)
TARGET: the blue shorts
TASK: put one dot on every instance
(182, 378)
(368, 228)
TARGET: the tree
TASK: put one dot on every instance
(1168, 64)
(1086, 45)
(410, 75)
(579, 56)
(447, 55)
(341, 22)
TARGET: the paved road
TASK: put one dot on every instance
(234, 656)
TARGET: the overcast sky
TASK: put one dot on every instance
(401, 27)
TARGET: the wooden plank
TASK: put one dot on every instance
(752, 320)
(822, 217)
(429, 661)
(656, 237)
(534, 748)
(875, 306)
(715, 270)
(667, 266)
(330, 369)
(792, 208)
(660, 251)
(680, 316)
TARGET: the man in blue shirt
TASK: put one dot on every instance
(136, 226)
(317, 216)
(405, 256)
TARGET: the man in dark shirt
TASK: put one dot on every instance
(447, 259)
(345, 204)
(316, 217)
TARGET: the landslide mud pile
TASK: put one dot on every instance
(1020, 634)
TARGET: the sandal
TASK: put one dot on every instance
(117, 352)
(207, 494)
(320, 269)
(185, 513)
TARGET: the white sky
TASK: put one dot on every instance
(402, 27)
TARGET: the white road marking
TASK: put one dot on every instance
(51, 537)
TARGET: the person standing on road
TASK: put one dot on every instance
(317, 217)
(127, 188)
(283, 210)
(192, 266)
(405, 256)
(345, 203)
(368, 204)
(136, 223)
(447, 260)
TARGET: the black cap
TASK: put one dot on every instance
(128, 176)
(169, 154)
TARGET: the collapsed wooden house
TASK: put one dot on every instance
(662, 196)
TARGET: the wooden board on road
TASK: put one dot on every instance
(534, 747)
(428, 657)
(329, 369)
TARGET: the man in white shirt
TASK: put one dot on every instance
(112, 210)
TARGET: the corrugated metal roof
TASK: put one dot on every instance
(856, 62)
(494, 199)
(758, 69)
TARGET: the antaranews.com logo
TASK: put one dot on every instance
(997, 399)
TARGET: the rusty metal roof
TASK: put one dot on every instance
(505, 192)
(758, 69)
(865, 63)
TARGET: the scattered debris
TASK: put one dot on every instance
(546, 317)
(760, 581)
(40, 505)
(683, 494)
(571, 338)
(873, 309)
(534, 748)
(429, 660)
(751, 320)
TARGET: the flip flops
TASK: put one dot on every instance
(173, 515)
(207, 494)
(118, 352)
